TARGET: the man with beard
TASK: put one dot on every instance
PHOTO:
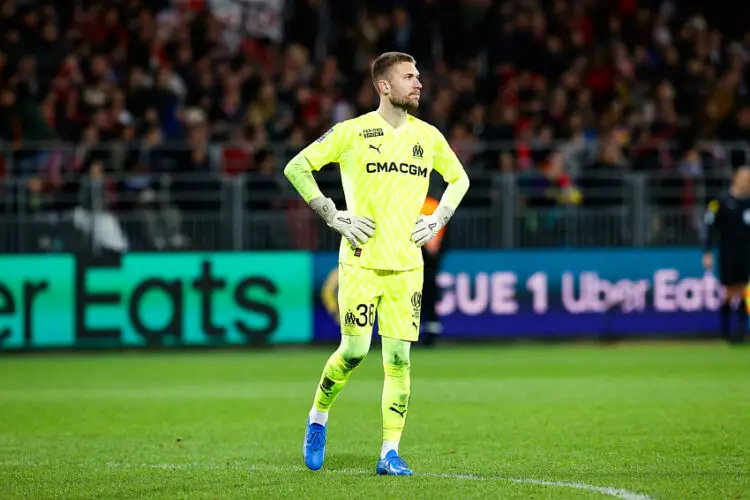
(386, 157)
(728, 228)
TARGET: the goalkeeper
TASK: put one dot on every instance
(385, 158)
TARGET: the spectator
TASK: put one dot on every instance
(264, 198)
(92, 216)
(169, 82)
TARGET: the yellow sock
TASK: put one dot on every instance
(338, 369)
(396, 388)
(335, 375)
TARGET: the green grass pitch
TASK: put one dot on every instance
(567, 421)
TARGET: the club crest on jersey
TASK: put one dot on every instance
(416, 304)
(322, 137)
(349, 319)
(417, 151)
(369, 133)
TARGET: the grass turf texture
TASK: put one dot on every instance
(665, 421)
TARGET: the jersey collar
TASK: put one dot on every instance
(391, 127)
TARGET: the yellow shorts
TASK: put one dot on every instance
(396, 297)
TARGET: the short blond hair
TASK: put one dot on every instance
(382, 65)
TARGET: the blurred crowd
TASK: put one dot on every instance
(109, 100)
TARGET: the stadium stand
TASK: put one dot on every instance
(155, 124)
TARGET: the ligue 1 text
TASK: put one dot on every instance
(500, 293)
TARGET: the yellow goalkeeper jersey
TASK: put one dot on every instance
(385, 173)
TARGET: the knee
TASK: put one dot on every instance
(398, 361)
(353, 359)
(396, 353)
(397, 366)
(353, 351)
(396, 356)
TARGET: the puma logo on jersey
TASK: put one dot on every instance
(372, 146)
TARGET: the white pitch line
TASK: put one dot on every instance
(605, 490)
(620, 493)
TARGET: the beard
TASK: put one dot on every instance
(407, 103)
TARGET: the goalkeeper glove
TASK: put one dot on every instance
(357, 230)
(428, 226)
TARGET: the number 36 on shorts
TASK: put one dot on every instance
(364, 316)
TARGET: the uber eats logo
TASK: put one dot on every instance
(392, 166)
(143, 299)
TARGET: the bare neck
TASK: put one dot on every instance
(391, 114)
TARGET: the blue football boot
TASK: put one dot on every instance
(314, 447)
(393, 465)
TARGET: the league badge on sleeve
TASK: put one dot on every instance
(322, 137)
